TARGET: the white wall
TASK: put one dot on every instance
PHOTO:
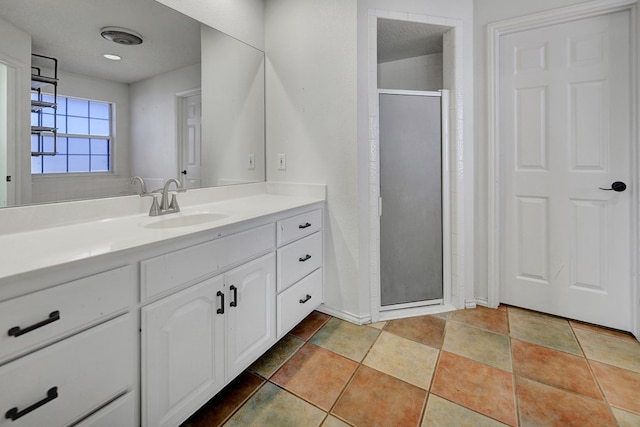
(485, 12)
(153, 149)
(241, 19)
(70, 187)
(311, 78)
(418, 73)
(233, 106)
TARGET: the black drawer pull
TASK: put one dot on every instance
(13, 413)
(308, 257)
(220, 310)
(307, 225)
(307, 298)
(234, 303)
(17, 331)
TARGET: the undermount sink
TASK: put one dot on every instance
(185, 220)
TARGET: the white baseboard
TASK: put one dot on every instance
(343, 315)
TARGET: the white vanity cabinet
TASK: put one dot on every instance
(64, 358)
(300, 261)
(147, 331)
(198, 339)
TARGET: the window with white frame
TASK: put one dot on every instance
(84, 138)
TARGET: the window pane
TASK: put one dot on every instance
(34, 119)
(47, 120)
(61, 123)
(78, 145)
(99, 163)
(48, 144)
(78, 163)
(99, 146)
(77, 125)
(47, 97)
(99, 127)
(34, 143)
(62, 105)
(99, 110)
(77, 107)
(36, 164)
(54, 164)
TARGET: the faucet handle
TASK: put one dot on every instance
(155, 207)
(174, 203)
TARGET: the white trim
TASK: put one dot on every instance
(409, 92)
(454, 264)
(416, 311)
(344, 315)
(416, 304)
(543, 19)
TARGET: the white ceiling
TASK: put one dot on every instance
(404, 39)
(69, 30)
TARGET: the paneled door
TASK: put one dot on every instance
(191, 137)
(565, 132)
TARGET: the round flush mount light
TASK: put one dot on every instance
(112, 57)
(121, 36)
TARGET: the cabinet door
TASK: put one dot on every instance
(251, 312)
(182, 353)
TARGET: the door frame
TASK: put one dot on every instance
(460, 220)
(495, 199)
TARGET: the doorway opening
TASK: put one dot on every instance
(417, 61)
(189, 137)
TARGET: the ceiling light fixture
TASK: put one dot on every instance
(112, 57)
(121, 36)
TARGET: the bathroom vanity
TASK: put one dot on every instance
(135, 320)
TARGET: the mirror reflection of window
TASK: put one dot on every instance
(84, 141)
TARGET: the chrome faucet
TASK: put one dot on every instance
(166, 207)
(143, 186)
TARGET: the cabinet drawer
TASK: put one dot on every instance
(120, 413)
(298, 226)
(36, 319)
(164, 272)
(298, 301)
(298, 259)
(71, 378)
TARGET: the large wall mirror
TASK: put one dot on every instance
(188, 102)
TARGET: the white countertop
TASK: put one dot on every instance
(42, 248)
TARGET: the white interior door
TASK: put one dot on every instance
(565, 130)
(191, 141)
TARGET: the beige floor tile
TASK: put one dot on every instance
(542, 329)
(273, 359)
(378, 325)
(626, 419)
(272, 406)
(443, 413)
(478, 344)
(620, 352)
(404, 359)
(346, 339)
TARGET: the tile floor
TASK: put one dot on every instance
(477, 367)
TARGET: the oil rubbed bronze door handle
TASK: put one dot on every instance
(307, 298)
(16, 331)
(234, 303)
(221, 309)
(306, 258)
(618, 186)
(307, 225)
(13, 413)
